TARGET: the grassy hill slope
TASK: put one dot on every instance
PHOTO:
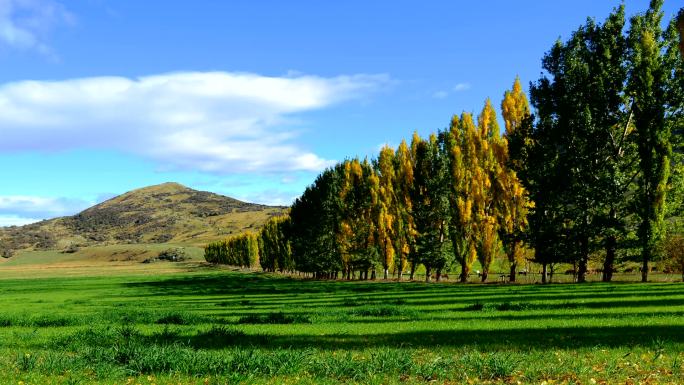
(165, 213)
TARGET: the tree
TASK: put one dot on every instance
(388, 208)
(648, 83)
(274, 247)
(315, 225)
(430, 206)
(462, 155)
(485, 209)
(359, 202)
(582, 140)
(405, 231)
(514, 201)
(680, 27)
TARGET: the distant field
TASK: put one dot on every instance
(192, 324)
(96, 260)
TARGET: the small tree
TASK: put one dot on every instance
(673, 250)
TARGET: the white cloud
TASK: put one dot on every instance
(271, 197)
(13, 220)
(208, 121)
(461, 87)
(25, 23)
(21, 209)
(440, 94)
(443, 94)
(381, 146)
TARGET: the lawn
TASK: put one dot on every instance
(199, 325)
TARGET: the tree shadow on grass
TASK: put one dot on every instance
(523, 339)
(261, 284)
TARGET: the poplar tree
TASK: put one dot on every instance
(514, 199)
(680, 28)
(430, 207)
(315, 220)
(488, 143)
(274, 246)
(406, 229)
(388, 208)
(461, 225)
(460, 208)
(648, 82)
(358, 233)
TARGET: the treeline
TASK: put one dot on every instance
(438, 201)
(596, 172)
(241, 250)
(269, 249)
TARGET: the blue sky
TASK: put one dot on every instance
(249, 99)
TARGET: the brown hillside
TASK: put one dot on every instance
(168, 212)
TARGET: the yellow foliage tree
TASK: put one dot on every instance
(387, 215)
(405, 230)
(513, 199)
(488, 144)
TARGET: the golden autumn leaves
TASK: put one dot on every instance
(487, 205)
(450, 199)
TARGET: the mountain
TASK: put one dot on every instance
(165, 213)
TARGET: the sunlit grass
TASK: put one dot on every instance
(225, 327)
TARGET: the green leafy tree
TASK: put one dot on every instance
(315, 224)
(648, 83)
(406, 230)
(430, 206)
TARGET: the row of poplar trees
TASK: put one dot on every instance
(594, 171)
(449, 198)
(269, 249)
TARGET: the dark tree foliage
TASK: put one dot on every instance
(315, 222)
(430, 205)
(654, 87)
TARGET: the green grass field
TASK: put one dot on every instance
(201, 325)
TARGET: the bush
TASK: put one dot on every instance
(176, 254)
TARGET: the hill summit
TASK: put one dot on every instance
(168, 212)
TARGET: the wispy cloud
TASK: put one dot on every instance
(443, 94)
(461, 87)
(215, 122)
(25, 24)
(21, 209)
(272, 197)
(13, 220)
(440, 94)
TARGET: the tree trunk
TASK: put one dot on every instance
(413, 271)
(485, 273)
(644, 268)
(543, 273)
(427, 273)
(438, 275)
(464, 273)
(511, 277)
(373, 275)
(513, 251)
(386, 273)
(608, 264)
(584, 260)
